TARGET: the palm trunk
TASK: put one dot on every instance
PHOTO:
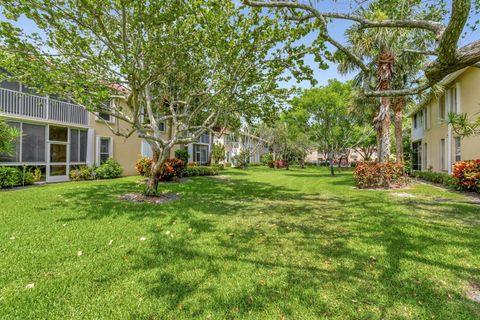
(385, 74)
(398, 107)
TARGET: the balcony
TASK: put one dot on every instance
(36, 107)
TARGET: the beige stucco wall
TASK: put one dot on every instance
(125, 151)
(469, 84)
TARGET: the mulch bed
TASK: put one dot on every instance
(141, 198)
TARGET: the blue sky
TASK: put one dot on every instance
(337, 30)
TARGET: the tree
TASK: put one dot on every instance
(191, 64)
(218, 153)
(432, 20)
(8, 135)
(464, 125)
(383, 50)
(332, 122)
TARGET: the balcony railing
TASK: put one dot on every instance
(32, 106)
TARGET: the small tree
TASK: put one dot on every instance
(242, 159)
(218, 153)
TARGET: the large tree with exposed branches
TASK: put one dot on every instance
(192, 64)
(446, 26)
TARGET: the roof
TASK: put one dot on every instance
(428, 98)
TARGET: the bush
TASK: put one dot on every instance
(12, 177)
(173, 169)
(75, 175)
(192, 164)
(218, 153)
(241, 159)
(435, 177)
(266, 157)
(271, 163)
(467, 175)
(199, 171)
(37, 175)
(379, 175)
(108, 170)
(228, 165)
(143, 166)
(218, 166)
(182, 154)
(9, 177)
(87, 173)
(280, 164)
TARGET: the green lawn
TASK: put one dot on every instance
(255, 244)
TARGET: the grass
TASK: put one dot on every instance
(255, 244)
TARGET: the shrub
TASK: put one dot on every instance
(200, 171)
(192, 164)
(241, 159)
(75, 174)
(11, 177)
(255, 164)
(143, 166)
(280, 164)
(271, 163)
(108, 170)
(87, 173)
(379, 175)
(218, 166)
(467, 175)
(173, 169)
(37, 175)
(182, 154)
(266, 157)
(435, 177)
(218, 153)
(228, 165)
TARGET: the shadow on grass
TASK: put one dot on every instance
(257, 246)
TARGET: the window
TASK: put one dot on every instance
(105, 148)
(415, 120)
(161, 126)
(425, 119)
(200, 153)
(205, 138)
(58, 134)
(103, 114)
(33, 143)
(441, 108)
(425, 156)
(417, 155)
(14, 156)
(453, 100)
(78, 145)
(443, 158)
(458, 149)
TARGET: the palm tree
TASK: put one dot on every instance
(394, 68)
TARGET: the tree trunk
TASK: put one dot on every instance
(384, 73)
(332, 170)
(159, 159)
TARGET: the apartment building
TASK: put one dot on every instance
(236, 142)
(435, 146)
(57, 135)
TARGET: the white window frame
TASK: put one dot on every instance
(110, 147)
(111, 119)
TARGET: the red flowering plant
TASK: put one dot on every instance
(173, 168)
(143, 166)
(379, 175)
(467, 175)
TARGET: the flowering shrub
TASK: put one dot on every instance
(379, 175)
(271, 163)
(467, 175)
(143, 166)
(173, 169)
(279, 164)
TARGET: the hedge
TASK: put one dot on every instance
(12, 177)
(199, 171)
(379, 175)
